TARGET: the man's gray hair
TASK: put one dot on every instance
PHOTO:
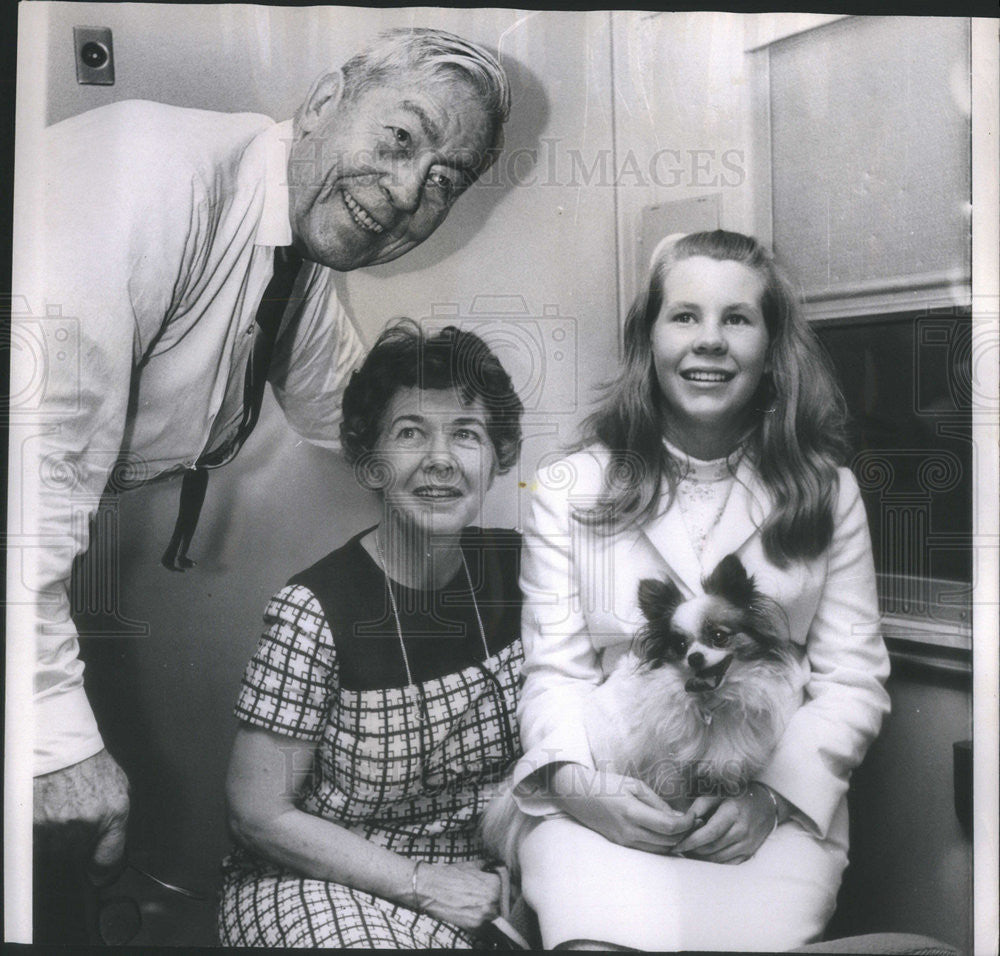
(435, 53)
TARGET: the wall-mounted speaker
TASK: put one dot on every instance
(95, 56)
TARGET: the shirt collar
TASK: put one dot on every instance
(275, 228)
(708, 470)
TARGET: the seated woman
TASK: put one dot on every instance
(722, 434)
(378, 712)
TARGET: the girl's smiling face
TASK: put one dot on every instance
(710, 350)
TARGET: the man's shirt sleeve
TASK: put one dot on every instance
(96, 275)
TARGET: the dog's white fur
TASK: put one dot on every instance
(642, 721)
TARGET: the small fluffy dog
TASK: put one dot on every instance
(694, 707)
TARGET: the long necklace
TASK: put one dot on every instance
(395, 610)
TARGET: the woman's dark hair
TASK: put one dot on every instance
(404, 357)
(798, 436)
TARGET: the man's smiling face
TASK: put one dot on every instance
(371, 176)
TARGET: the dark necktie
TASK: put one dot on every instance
(268, 320)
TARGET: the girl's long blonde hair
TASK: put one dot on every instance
(798, 436)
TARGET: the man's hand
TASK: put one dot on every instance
(83, 810)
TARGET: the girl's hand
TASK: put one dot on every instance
(622, 809)
(459, 893)
(735, 831)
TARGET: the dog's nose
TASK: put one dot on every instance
(696, 660)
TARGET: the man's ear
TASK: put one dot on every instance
(327, 90)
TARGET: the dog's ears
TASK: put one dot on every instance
(730, 580)
(658, 599)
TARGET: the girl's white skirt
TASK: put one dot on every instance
(582, 886)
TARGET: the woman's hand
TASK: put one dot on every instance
(622, 809)
(458, 893)
(737, 828)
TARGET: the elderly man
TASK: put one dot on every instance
(173, 238)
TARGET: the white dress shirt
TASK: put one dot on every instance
(158, 231)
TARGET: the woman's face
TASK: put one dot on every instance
(710, 349)
(438, 458)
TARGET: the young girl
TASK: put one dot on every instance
(722, 433)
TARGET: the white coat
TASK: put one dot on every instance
(580, 613)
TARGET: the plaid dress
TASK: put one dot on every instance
(408, 767)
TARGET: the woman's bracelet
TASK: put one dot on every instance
(413, 885)
(774, 803)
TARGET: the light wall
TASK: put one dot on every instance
(869, 123)
(683, 116)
